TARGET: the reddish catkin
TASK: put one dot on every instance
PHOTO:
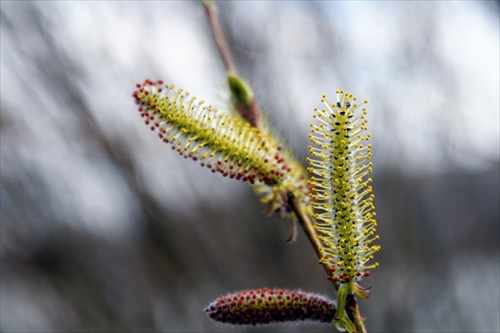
(266, 306)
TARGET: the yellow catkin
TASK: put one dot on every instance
(343, 200)
(221, 143)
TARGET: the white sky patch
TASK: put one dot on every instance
(473, 49)
(148, 41)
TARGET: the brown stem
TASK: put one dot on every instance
(213, 21)
(351, 307)
(241, 94)
(308, 227)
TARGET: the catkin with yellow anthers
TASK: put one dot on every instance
(343, 203)
(219, 142)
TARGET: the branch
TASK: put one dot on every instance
(308, 227)
(213, 22)
(351, 307)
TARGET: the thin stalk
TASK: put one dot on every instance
(220, 41)
(352, 310)
(307, 225)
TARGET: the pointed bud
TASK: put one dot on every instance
(242, 99)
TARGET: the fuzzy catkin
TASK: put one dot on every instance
(342, 195)
(266, 306)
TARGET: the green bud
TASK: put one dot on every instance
(241, 93)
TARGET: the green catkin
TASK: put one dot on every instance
(219, 142)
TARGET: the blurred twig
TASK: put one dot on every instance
(213, 21)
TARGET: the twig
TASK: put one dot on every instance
(308, 227)
(352, 309)
(213, 21)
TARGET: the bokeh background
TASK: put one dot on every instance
(103, 229)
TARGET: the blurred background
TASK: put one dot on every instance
(103, 229)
